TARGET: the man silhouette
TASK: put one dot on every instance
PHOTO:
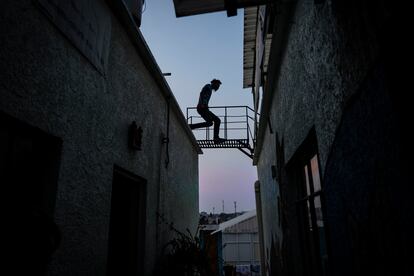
(205, 113)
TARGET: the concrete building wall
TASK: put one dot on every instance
(47, 83)
(308, 93)
(181, 183)
(248, 225)
(240, 248)
(330, 62)
(239, 244)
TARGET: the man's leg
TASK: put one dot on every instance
(217, 122)
(199, 125)
(210, 117)
(204, 113)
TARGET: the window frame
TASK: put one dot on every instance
(305, 240)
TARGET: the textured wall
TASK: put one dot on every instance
(366, 194)
(329, 51)
(47, 83)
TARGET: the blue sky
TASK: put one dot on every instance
(194, 50)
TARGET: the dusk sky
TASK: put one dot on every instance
(195, 50)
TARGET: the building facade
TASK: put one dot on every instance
(96, 156)
(333, 190)
(238, 245)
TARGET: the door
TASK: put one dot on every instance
(127, 224)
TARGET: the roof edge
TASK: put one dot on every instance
(279, 42)
(248, 215)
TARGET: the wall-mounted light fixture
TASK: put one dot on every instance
(135, 136)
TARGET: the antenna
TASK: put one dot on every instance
(223, 205)
(235, 207)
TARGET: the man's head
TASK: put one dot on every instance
(215, 84)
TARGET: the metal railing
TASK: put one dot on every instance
(237, 123)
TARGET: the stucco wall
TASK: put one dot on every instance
(181, 182)
(365, 190)
(47, 83)
(328, 52)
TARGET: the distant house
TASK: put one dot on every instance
(96, 157)
(239, 244)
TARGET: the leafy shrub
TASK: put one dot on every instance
(183, 255)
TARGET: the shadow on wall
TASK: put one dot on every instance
(366, 189)
(275, 259)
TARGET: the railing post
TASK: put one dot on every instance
(225, 122)
(247, 125)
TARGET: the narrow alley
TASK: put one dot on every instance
(100, 151)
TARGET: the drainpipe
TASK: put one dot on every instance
(166, 140)
(260, 225)
(162, 179)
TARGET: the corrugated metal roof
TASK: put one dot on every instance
(236, 220)
(249, 46)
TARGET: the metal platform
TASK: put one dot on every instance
(241, 144)
(230, 143)
(237, 128)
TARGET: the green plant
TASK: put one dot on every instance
(183, 255)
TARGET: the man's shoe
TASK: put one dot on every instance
(218, 140)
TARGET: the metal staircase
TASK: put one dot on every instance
(237, 128)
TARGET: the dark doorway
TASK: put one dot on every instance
(127, 225)
(29, 169)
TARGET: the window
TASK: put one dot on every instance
(303, 198)
(311, 220)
